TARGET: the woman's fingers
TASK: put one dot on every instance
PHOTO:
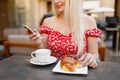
(27, 32)
(32, 35)
(82, 57)
(88, 60)
(35, 37)
(38, 34)
(94, 64)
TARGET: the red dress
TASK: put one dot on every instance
(61, 45)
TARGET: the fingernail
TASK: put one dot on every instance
(80, 59)
(41, 37)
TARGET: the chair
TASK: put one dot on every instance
(8, 44)
(112, 22)
(18, 45)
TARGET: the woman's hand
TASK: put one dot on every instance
(35, 37)
(88, 59)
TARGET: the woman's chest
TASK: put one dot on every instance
(58, 41)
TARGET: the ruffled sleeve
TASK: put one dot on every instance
(45, 29)
(93, 32)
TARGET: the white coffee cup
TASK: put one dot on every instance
(41, 53)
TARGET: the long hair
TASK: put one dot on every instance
(73, 14)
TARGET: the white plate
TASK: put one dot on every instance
(45, 61)
(81, 70)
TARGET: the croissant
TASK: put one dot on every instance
(69, 64)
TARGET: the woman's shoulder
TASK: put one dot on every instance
(49, 21)
(91, 27)
(89, 22)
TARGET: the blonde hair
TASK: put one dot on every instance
(73, 15)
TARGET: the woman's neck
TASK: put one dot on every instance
(60, 15)
(60, 19)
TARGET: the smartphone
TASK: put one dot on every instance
(30, 31)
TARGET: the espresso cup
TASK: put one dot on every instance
(41, 53)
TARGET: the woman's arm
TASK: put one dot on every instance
(40, 39)
(92, 41)
(90, 58)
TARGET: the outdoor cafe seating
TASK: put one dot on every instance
(112, 23)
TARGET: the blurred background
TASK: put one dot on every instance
(14, 13)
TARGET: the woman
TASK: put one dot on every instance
(69, 32)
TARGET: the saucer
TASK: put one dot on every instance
(43, 61)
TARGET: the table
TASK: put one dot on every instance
(18, 68)
(117, 37)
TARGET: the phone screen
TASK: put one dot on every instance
(28, 28)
